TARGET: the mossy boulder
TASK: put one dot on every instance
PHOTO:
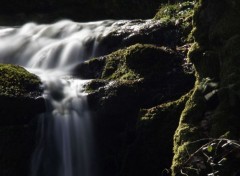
(140, 61)
(20, 95)
(156, 68)
(134, 62)
(16, 81)
(21, 101)
(139, 76)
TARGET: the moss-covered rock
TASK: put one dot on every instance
(135, 62)
(139, 76)
(158, 69)
(15, 81)
(178, 14)
(20, 95)
(20, 100)
(211, 113)
(140, 61)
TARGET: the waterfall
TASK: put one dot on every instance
(65, 146)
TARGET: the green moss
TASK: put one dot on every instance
(173, 108)
(116, 68)
(189, 129)
(154, 129)
(172, 12)
(180, 15)
(215, 56)
(16, 81)
(138, 61)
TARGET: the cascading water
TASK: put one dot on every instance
(50, 51)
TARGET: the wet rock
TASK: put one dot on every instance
(127, 33)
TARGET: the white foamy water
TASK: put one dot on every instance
(55, 46)
(65, 146)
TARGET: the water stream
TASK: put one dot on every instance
(65, 146)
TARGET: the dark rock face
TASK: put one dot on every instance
(20, 110)
(17, 143)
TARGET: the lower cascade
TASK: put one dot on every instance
(65, 146)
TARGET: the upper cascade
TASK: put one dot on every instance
(57, 45)
(64, 44)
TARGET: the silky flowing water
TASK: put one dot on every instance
(65, 146)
